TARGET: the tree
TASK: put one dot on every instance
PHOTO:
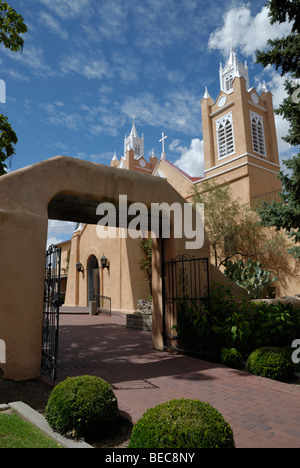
(284, 55)
(286, 214)
(235, 234)
(12, 27)
(8, 138)
(231, 227)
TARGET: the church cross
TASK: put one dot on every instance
(231, 40)
(163, 141)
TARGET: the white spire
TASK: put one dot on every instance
(133, 132)
(265, 87)
(232, 57)
(231, 70)
(134, 142)
(206, 94)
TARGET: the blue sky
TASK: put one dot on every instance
(88, 66)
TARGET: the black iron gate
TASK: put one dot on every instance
(185, 296)
(51, 311)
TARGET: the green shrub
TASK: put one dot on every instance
(238, 324)
(270, 362)
(232, 358)
(258, 282)
(81, 405)
(290, 352)
(182, 424)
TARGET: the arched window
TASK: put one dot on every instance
(225, 136)
(258, 135)
(228, 83)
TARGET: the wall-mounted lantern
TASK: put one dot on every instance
(104, 262)
(79, 267)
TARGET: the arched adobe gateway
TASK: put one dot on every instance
(67, 189)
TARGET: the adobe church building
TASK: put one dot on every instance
(240, 148)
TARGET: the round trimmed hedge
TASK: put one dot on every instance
(272, 363)
(81, 405)
(182, 424)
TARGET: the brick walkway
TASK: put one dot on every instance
(262, 413)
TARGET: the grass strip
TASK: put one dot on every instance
(17, 433)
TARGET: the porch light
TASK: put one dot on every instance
(104, 262)
(79, 267)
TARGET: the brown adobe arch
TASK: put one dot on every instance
(67, 189)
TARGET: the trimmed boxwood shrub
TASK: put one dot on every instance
(182, 424)
(82, 405)
(273, 363)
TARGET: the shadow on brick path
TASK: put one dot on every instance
(261, 412)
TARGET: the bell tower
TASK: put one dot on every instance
(133, 158)
(134, 142)
(239, 134)
(231, 69)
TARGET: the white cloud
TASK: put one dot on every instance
(87, 66)
(13, 73)
(178, 111)
(54, 26)
(274, 83)
(113, 21)
(192, 158)
(64, 227)
(250, 33)
(53, 241)
(66, 9)
(70, 120)
(33, 58)
(59, 231)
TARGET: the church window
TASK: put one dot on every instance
(137, 150)
(225, 136)
(228, 83)
(258, 136)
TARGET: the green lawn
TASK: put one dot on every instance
(16, 433)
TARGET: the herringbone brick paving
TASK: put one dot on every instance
(261, 412)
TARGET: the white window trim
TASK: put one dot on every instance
(228, 82)
(258, 118)
(222, 120)
(239, 157)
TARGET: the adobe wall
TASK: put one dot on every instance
(124, 282)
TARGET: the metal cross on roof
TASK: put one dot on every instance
(163, 142)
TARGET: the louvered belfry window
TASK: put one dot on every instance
(225, 136)
(258, 134)
(228, 83)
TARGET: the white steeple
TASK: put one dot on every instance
(230, 71)
(134, 142)
(265, 87)
(206, 94)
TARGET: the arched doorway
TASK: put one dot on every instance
(93, 280)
